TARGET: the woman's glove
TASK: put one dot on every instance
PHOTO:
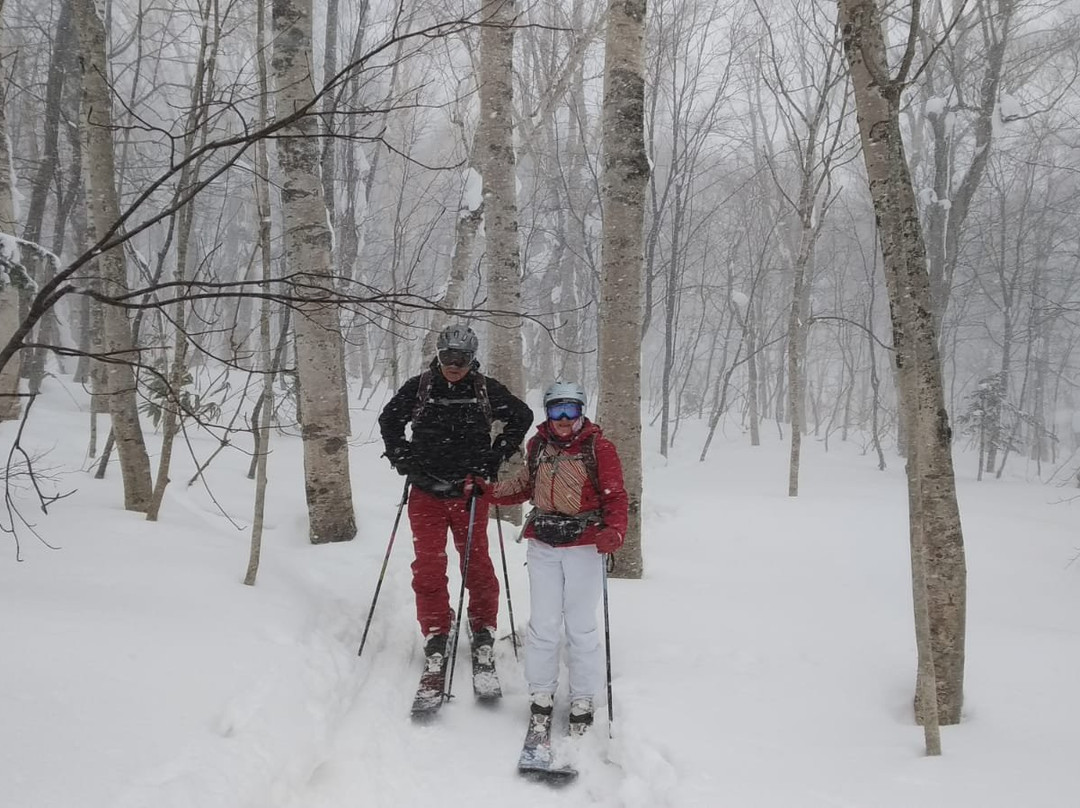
(477, 486)
(608, 540)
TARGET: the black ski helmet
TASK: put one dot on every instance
(458, 338)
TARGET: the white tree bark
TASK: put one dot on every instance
(468, 224)
(498, 165)
(465, 232)
(10, 405)
(308, 246)
(936, 534)
(262, 200)
(103, 211)
(502, 257)
(625, 176)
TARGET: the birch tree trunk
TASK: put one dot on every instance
(752, 406)
(103, 211)
(795, 345)
(954, 192)
(60, 73)
(580, 204)
(625, 176)
(935, 530)
(812, 120)
(262, 200)
(10, 405)
(308, 244)
(172, 415)
(496, 147)
(502, 257)
(466, 228)
(465, 232)
(673, 281)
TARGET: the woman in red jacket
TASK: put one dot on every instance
(574, 479)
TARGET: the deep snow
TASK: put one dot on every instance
(765, 661)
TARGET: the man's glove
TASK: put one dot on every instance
(401, 458)
(608, 540)
(500, 451)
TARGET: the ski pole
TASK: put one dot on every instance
(461, 596)
(506, 580)
(607, 650)
(386, 560)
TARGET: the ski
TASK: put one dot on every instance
(430, 692)
(537, 761)
(429, 695)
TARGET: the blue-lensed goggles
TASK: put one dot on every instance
(558, 410)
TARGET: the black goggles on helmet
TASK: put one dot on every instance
(455, 358)
(559, 410)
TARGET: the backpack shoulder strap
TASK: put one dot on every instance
(588, 457)
(423, 393)
(532, 460)
(480, 386)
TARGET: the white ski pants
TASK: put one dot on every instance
(565, 585)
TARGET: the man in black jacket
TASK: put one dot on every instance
(451, 407)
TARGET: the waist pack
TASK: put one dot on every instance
(557, 529)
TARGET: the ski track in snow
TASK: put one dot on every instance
(269, 738)
(468, 741)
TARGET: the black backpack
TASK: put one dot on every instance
(423, 395)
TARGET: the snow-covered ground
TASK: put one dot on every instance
(765, 661)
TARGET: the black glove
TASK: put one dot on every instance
(499, 452)
(401, 458)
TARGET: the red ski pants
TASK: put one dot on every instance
(430, 518)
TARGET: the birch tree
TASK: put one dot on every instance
(502, 256)
(502, 259)
(308, 245)
(103, 216)
(953, 181)
(810, 97)
(202, 88)
(60, 78)
(937, 545)
(10, 406)
(625, 177)
(262, 201)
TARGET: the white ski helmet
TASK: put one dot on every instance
(458, 338)
(566, 391)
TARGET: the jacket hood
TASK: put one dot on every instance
(588, 428)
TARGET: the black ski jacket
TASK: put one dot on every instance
(451, 438)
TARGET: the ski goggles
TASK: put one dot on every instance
(558, 410)
(455, 358)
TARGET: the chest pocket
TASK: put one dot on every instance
(450, 411)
